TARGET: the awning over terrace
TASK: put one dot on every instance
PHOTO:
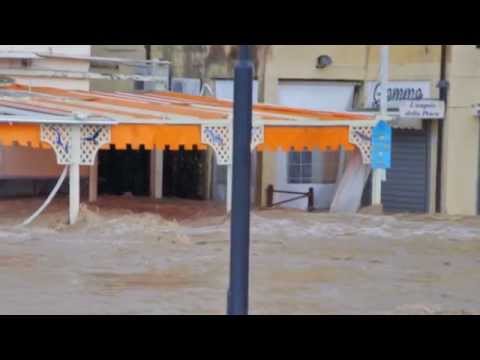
(76, 124)
(164, 119)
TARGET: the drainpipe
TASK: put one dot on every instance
(443, 86)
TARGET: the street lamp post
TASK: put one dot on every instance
(240, 214)
(379, 175)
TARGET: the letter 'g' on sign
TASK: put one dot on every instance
(382, 146)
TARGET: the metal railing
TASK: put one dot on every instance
(308, 195)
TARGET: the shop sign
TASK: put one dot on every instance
(381, 146)
(397, 92)
(422, 109)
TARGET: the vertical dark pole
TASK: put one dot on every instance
(311, 203)
(270, 190)
(240, 216)
(443, 85)
(148, 52)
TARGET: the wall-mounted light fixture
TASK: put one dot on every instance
(324, 61)
(476, 110)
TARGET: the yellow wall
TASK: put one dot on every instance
(350, 62)
(461, 143)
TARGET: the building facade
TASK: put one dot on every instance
(345, 77)
(21, 63)
(25, 171)
(350, 82)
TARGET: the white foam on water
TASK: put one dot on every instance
(391, 259)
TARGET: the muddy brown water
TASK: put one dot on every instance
(140, 256)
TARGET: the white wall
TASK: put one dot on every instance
(50, 64)
(323, 192)
(335, 96)
(224, 90)
(61, 49)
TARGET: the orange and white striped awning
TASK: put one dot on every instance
(161, 119)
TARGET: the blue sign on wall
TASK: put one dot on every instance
(382, 146)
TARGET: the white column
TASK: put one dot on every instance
(209, 174)
(74, 175)
(93, 181)
(379, 175)
(229, 187)
(156, 175)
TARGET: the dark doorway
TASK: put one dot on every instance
(124, 171)
(184, 174)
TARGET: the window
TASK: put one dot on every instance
(300, 167)
(318, 167)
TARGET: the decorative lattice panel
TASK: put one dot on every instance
(58, 136)
(258, 136)
(220, 139)
(361, 136)
(92, 137)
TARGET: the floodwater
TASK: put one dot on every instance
(139, 256)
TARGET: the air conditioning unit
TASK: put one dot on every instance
(143, 70)
(161, 71)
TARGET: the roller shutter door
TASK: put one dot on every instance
(406, 188)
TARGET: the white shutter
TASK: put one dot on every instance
(224, 90)
(335, 96)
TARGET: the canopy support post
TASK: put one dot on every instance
(220, 139)
(156, 174)
(74, 175)
(93, 181)
(377, 177)
(380, 175)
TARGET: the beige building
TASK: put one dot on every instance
(136, 56)
(408, 63)
(31, 65)
(344, 77)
